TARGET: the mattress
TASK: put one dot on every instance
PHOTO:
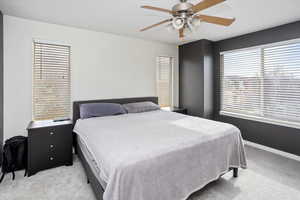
(91, 161)
(159, 155)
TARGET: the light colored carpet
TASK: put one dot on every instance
(269, 176)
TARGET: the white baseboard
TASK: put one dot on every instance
(275, 151)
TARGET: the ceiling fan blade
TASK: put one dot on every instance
(205, 4)
(216, 20)
(158, 9)
(157, 24)
(181, 35)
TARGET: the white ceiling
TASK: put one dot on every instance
(125, 17)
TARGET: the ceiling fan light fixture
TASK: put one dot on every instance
(195, 22)
(171, 28)
(178, 22)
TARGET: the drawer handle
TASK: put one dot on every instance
(51, 146)
(51, 133)
(51, 158)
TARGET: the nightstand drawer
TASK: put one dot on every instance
(49, 147)
(51, 133)
(48, 160)
(42, 144)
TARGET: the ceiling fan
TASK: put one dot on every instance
(185, 16)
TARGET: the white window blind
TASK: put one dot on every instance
(164, 80)
(51, 81)
(263, 83)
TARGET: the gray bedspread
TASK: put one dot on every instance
(160, 155)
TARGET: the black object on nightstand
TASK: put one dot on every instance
(179, 110)
(49, 145)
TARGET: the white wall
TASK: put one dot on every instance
(103, 66)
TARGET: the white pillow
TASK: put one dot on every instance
(141, 107)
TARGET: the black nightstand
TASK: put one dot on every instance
(179, 110)
(49, 145)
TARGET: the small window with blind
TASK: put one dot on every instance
(262, 83)
(51, 81)
(164, 80)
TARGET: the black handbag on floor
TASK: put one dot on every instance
(14, 156)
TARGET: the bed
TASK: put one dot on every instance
(154, 155)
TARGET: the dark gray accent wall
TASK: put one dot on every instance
(278, 137)
(196, 78)
(1, 85)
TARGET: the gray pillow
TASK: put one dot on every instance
(141, 107)
(100, 110)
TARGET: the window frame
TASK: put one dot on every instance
(171, 89)
(247, 116)
(58, 43)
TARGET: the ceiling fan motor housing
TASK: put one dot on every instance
(181, 8)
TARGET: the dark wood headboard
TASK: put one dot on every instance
(76, 104)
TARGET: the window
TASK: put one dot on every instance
(263, 83)
(164, 80)
(51, 81)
